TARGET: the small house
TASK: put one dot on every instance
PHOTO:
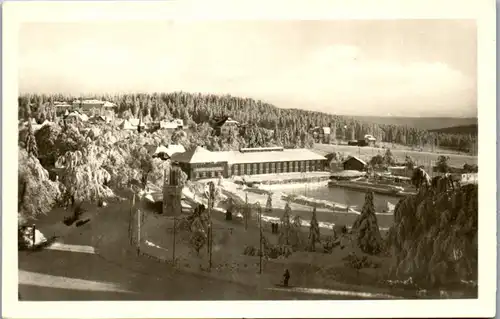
(166, 152)
(370, 140)
(225, 125)
(131, 124)
(468, 178)
(93, 106)
(174, 124)
(109, 105)
(99, 119)
(320, 134)
(76, 116)
(36, 127)
(61, 105)
(326, 131)
(354, 163)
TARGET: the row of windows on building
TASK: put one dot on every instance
(276, 167)
(260, 168)
(213, 173)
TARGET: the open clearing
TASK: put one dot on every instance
(421, 158)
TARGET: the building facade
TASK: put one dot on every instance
(172, 193)
(354, 164)
(201, 163)
(225, 126)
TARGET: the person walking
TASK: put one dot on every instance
(286, 277)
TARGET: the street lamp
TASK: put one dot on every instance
(305, 182)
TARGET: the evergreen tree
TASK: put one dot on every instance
(366, 228)
(314, 235)
(269, 204)
(285, 226)
(31, 146)
(246, 211)
(389, 158)
(409, 163)
(287, 124)
(442, 164)
(296, 240)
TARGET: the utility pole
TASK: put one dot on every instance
(173, 243)
(210, 203)
(138, 232)
(259, 212)
(33, 229)
(246, 211)
(131, 217)
(209, 224)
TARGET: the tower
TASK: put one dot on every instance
(172, 192)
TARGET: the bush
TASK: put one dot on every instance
(68, 221)
(250, 251)
(354, 261)
(82, 222)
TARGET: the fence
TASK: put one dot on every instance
(169, 239)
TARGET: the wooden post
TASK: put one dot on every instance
(138, 231)
(259, 209)
(210, 232)
(209, 224)
(34, 236)
(173, 248)
(130, 223)
(246, 211)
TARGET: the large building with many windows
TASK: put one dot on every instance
(200, 163)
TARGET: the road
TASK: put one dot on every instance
(113, 272)
(54, 275)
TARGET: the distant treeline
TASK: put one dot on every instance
(290, 126)
(471, 129)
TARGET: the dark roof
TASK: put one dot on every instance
(219, 121)
(355, 158)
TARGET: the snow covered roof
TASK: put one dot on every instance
(356, 158)
(298, 154)
(167, 124)
(109, 104)
(76, 114)
(170, 149)
(231, 121)
(202, 155)
(100, 118)
(94, 102)
(36, 127)
(198, 155)
(136, 122)
(61, 104)
(130, 124)
(370, 137)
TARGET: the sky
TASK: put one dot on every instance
(349, 67)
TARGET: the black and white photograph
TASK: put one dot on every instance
(258, 159)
